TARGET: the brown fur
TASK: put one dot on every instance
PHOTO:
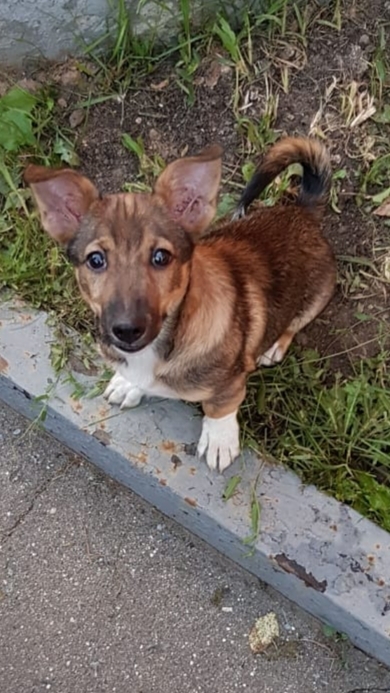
(225, 298)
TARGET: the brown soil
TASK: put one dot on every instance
(158, 111)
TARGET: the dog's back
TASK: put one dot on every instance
(277, 256)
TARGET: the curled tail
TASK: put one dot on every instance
(315, 161)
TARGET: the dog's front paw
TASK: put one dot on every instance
(120, 391)
(220, 441)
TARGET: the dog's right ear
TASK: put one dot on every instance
(62, 196)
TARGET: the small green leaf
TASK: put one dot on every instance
(225, 205)
(328, 631)
(15, 130)
(18, 99)
(383, 116)
(248, 170)
(254, 517)
(135, 146)
(65, 152)
(381, 196)
(339, 175)
(363, 317)
(231, 487)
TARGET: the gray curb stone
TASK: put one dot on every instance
(319, 553)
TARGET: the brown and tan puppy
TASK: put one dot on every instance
(187, 315)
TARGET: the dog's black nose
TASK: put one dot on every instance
(128, 333)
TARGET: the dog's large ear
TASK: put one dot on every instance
(189, 189)
(62, 196)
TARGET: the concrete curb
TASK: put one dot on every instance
(317, 552)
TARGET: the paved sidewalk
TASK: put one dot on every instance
(101, 593)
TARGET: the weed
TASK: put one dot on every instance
(258, 135)
(185, 70)
(254, 514)
(380, 67)
(16, 129)
(231, 487)
(150, 166)
(127, 52)
(377, 176)
(329, 428)
(226, 205)
(340, 642)
(231, 43)
(30, 262)
(336, 20)
(337, 179)
(332, 634)
(189, 57)
(357, 105)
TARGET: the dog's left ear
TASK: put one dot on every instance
(189, 188)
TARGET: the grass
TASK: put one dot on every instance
(329, 423)
(333, 430)
(30, 263)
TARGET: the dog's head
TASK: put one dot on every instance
(131, 252)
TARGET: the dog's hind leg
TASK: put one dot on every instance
(277, 351)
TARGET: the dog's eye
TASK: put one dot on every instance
(161, 257)
(96, 261)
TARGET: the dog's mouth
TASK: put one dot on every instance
(119, 347)
(129, 348)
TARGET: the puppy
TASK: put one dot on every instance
(184, 314)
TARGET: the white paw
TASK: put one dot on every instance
(273, 355)
(220, 441)
(120, 391)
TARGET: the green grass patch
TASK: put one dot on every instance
(30, 263)
(333, 430)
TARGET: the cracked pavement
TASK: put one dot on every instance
(101, 593)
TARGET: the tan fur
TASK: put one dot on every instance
(225, 299)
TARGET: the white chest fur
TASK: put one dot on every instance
(135, 378)
(139, 370)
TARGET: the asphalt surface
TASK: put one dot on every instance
(100, 592)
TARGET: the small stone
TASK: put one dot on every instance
(69, 77)
(364, 40)
(30, 85)
(160, 85)
(76, 118)
(16, 432)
